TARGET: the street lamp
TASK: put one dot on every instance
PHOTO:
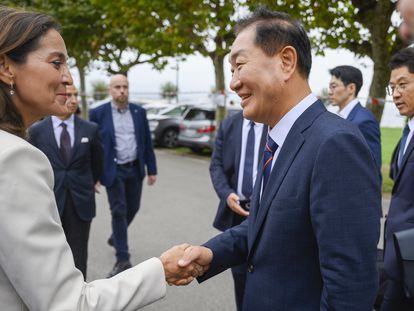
(177, 70)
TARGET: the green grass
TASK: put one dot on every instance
(389, 139)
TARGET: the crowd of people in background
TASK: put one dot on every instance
(299, 187)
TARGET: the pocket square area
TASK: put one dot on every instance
(84, 139)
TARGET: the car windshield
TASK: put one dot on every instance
(174, 112)
(200, 114)
(154, 110)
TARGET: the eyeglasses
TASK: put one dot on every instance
(399, 87)
(333, 86)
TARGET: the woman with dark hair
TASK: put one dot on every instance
(37, 271)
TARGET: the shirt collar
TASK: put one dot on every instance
(411, 124)
(70, 122)
(116, 109)
(280, 131)
(344, 113)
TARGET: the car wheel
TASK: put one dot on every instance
(169, 138)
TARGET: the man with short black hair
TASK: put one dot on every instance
(344, 87)
(401, 212)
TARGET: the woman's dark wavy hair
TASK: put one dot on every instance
(20, 34)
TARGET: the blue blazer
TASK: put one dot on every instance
(102, 115)
(369, 127)
(224, 167)
(401, 213)
(78, 177)
(310, 241)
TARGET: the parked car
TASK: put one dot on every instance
(164, 126)
(154, 109)
(198, 127)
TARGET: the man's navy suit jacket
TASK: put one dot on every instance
(369, 127)
(310, 240)
(102, 115)
(78, 177)
(224, 167)
(401, 213)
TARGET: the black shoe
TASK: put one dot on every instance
(119, 267)
(111, 242)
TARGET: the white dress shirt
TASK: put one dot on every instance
(258, 130)
(281, 130)
(410, 134)
(70, 126)
(344, 113)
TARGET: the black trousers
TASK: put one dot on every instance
(77, 234)
(395, 299)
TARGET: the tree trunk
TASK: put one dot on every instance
(218, 62)
(82, 74)
(378, 24)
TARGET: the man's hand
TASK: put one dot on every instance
(198, 255)
(174, 274)
(151, 179)
(98, 187)
(233, 203)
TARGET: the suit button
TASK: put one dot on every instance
(250, 269)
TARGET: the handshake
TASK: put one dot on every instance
(182, 263)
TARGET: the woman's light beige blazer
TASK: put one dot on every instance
(37, 272)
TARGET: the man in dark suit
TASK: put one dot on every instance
(127, 151)
(310, 239)
(237, 151)
(74, 149)
(345, 84)
(401, 212)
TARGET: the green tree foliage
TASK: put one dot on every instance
(99, 89)
(360, 26)
(168, 90)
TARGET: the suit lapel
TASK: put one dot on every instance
(78, 135)
(288, 152)
(135, 118)
(238, 128)
(110, 121)
(354, 112)
(407, 154)
(50, 136)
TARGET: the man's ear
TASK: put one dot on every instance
(6, 70)
(289, 58)
(351, 88)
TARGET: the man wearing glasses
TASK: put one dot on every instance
(401, 212)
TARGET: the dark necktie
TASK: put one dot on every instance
(247, 184)
(65, 147)
(268, 153)
(406, 131)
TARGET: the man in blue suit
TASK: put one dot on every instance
(127, 151)
(345, 84)
(401, 212)
(310, 239)
(74, 150)
(237, 152)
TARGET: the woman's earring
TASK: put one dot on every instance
(11, 88)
